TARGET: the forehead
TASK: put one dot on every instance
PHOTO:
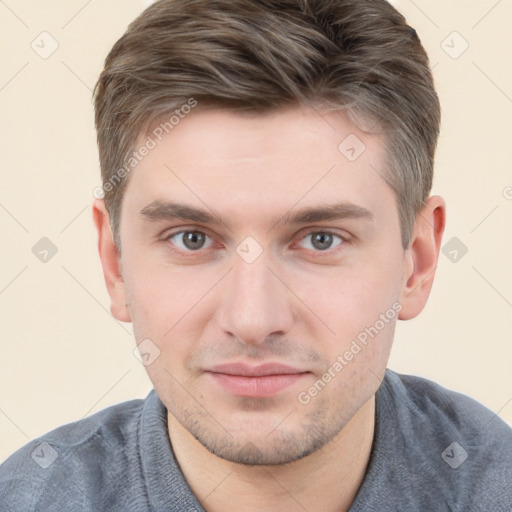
(240, 162)
(239, 133)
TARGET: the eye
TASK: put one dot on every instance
(322, 240)
(189, 241)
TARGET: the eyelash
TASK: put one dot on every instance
(330, 251)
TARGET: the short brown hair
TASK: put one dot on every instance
(259, 55)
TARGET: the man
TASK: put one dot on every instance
(266, 220)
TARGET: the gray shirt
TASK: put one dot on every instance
(434, 450)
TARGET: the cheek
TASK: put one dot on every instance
(163, 293)
(349, 299)
(170, 306)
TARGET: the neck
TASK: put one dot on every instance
(326, 480)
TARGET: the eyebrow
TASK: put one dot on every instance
(159, 210)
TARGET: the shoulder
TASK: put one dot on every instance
(68, 459)
(456, 411)
(454, 447)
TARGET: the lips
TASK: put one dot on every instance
(255, 371)
(255, 381)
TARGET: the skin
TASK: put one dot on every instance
(294, 304)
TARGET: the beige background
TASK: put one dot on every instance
(62, 354)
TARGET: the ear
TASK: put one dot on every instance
(110, 261)
(421, 257)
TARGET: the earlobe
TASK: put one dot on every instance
(110, 261)
(422, 257)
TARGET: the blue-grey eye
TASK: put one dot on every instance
(321, 241)
(189, 240)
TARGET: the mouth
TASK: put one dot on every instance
(261, 381)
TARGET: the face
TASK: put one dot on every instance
(264, 265)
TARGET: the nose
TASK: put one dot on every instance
(255, 303)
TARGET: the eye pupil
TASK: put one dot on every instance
(193, 239)
(322, 241)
